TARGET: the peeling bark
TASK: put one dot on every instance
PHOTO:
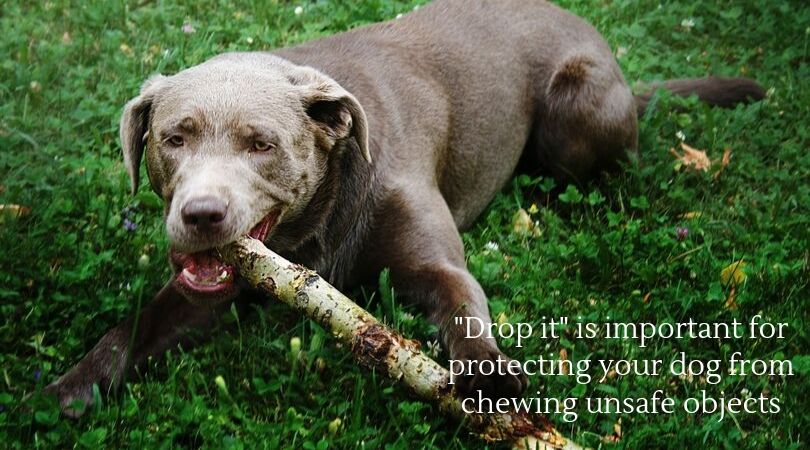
(376, 346)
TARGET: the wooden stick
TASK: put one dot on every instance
(377, 347)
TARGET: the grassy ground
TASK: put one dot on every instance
(70, 270)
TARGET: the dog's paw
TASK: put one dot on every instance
(494, 385)
(74, 391)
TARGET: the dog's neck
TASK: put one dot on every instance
(328, 236)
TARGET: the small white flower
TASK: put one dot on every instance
(621, 51)
(399, 16)
(299, 10)
(688, 58)
(680, 135)
(492, 246)
(745, 393)
(249, 40)
(688, 23)
(188, 28)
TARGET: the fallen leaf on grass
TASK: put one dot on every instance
(723, 162)
(733, 274)
(692, 158)
(13, 212)
(564, 357)
(617, 433)
(731, 300)
(691, 215)
(522, 224)
(726, 157)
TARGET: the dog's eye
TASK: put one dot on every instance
(176, 140)
(262, 146)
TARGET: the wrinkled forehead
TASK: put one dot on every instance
(227, 94)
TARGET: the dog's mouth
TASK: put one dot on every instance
(202, 276)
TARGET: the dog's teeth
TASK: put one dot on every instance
(223, 276)
(189, 276)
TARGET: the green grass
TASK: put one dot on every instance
(70, 271)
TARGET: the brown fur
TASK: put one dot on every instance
(716, 91)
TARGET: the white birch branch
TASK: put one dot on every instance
(377, 347)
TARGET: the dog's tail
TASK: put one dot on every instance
(716, 91)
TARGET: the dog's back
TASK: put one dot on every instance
(455, 90)
(458, 90)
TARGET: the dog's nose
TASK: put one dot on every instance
(206, 213)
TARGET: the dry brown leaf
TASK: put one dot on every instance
(564, 357)
(13, 212)
(692, 158)
(722, 163)
(617, 433)
(731, 300)
(690, 215)
(726, 157)
(521, 222)
(733, 274)
(647, 297)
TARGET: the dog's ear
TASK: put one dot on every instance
(332, 108)
(135, 125)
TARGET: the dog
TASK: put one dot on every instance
(367, 150)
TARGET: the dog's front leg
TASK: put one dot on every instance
(167, 321)
(419, 242)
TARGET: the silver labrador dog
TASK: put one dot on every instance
(366, 150)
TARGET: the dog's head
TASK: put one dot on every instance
(234, 146)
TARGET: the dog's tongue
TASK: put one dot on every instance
(205, 269)
(262, 228)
